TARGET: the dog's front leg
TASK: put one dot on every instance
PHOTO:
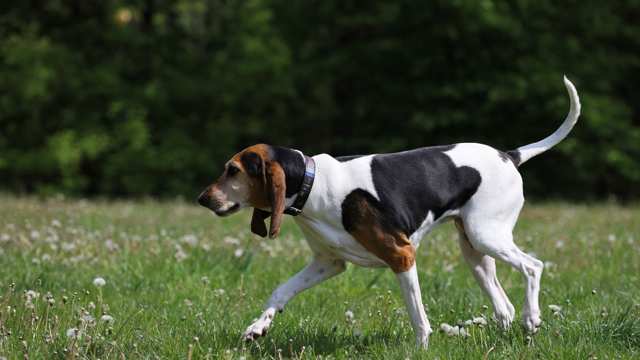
(413, 300)
(317, 271)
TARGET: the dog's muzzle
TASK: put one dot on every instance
(220, 208)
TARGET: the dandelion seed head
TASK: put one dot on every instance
(180, 255)
(229, 240)
(479, 321)
(190, 240)
(555, 308)
(73, 333)
(99, 282)
(348, 315)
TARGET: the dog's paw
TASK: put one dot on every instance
(259, 327)
(531, 322)
(504, 318)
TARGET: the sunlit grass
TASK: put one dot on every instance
(180, 283)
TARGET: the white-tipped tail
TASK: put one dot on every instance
(524, 153)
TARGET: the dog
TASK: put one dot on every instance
(373, 211)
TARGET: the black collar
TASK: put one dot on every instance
(305, 189)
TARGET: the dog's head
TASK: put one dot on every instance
(255, 177)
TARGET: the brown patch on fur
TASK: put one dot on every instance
(390, 245)
(258, 194)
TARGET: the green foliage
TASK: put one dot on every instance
(151, 97)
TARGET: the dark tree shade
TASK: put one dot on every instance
(150, 97)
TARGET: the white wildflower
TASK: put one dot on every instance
(453, 330)
(445, 327)
(5, 237)
(449, 268)
(68, 246)
(31, 294)
(99, 282)
(190, 240)
(555, 308)
(87, 318)
(73, 333)
(239, 252)
(111, 245)
(611, 237)
(464, 332)
(480, 321)
(205, 280)
(56, 223)
(107, 319)
(35, 234)
(218, 292)
(180, 255)
(206, 246)
(348, 316)
(231, 241)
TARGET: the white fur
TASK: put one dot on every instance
(410, 287)
(531, 150)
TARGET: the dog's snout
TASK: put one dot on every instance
(204, 199)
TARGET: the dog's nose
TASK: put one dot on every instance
(204, 198)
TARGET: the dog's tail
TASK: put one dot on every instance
(524, 153)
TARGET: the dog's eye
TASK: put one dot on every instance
(232, 170)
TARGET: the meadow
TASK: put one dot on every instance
(166, 279)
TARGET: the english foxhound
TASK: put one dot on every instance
(373, 211)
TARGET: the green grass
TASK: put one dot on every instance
(178, 286)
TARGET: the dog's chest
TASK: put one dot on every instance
(325, 238)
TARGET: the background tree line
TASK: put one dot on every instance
(150, 97)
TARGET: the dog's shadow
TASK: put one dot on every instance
(319, 341)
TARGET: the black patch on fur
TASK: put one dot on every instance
(507, 158)
(293, 167)
(515, 157)
(347, 157)
(252, 163)
(411, 184)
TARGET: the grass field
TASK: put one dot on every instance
(183, 284)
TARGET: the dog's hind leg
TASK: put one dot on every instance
(496, 239)
(483, 268)
(317, 271)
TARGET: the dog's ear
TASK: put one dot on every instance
(253, 164)
(258, 226)
(276, 190)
